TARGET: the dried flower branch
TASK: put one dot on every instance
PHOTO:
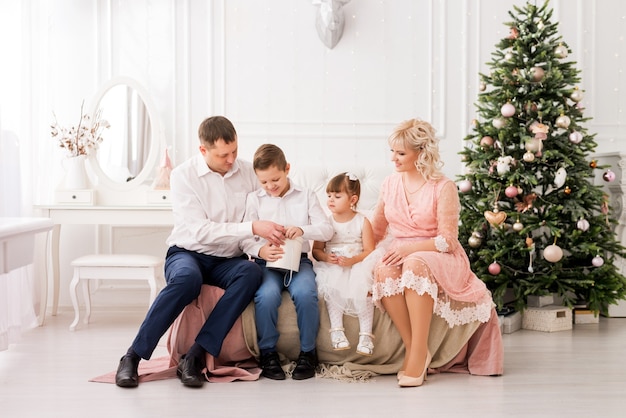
(83, 138)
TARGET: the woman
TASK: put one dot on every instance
(425, 273)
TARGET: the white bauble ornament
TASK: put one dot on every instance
(508, 56)
(560, 177)
(465, 186)
(498, 123)
(482, 86)
(529, 157)
(560, 51)
(563, 122)
(576, 95)
(553, 253)
(582, 224)
(575, 137)
(597, 261)
(518, 226)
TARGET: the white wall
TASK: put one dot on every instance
(260, 63)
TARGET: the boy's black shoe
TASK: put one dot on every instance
(270, 364)
(305, 366)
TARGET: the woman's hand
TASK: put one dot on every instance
(345, 261)
(396, 255)
(270, 252)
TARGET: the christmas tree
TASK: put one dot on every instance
(532, 222)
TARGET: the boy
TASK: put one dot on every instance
(299, 210)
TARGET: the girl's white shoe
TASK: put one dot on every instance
(338, 339)
(366, 344)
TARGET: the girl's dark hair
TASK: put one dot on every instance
(343, 183)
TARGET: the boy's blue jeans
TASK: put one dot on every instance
(303, 292)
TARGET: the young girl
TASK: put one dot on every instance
(345, 264)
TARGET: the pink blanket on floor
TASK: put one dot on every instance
(234, 362)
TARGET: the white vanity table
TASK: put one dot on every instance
(121, 173)
(17, 249)
(129, 216)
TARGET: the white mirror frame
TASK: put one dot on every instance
(157, 142)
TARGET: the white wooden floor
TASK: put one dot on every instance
(564, 374)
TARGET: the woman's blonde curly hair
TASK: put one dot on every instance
(419, 136)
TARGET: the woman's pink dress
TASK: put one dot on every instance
(460, 296)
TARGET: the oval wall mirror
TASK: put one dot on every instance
(128, 153)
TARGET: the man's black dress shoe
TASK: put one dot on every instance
(270, 365)
(190, 371)
(127, 376)
(305, 366)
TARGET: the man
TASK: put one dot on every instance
(208, 201)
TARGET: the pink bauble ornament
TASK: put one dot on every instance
(494, 268)
(510, 191)
(563, 121)
(597, 261)
(575, 137)
(582, 224)
(537, 73)
(507, 110)
(486, 142)
(553, 253)
(465, 186)
(608, 176)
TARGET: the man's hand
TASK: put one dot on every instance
(271, 231)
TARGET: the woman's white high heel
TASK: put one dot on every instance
(338, 339)
(408, 381)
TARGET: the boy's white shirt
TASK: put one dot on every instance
(298, 207)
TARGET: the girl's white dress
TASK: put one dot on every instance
(347, 287)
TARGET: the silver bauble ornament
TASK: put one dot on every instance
(582, 224)
(563, 121)
(576, 95)
(597, 261)
(560, 51)
(575, 137)
(474, 242)
(529, 157)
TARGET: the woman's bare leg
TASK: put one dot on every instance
(420, 312)
(396, 308)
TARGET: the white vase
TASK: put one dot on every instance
(75, 173)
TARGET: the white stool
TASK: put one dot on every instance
(112, 266)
